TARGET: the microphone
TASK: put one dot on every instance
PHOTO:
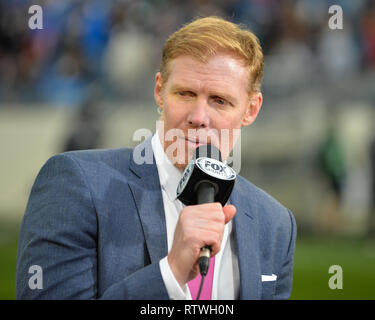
(206, 179)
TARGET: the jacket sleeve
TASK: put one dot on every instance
(285, 278)
(59, 234)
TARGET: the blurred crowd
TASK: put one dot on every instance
(114, 46)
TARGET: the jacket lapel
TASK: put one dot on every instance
(246, 235)
(145, 188)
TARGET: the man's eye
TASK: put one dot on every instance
(185, 93)
(220, 101)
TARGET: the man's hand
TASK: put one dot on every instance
(197, 226)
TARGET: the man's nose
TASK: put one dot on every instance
(198, 116)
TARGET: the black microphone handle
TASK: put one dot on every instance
(205, 194)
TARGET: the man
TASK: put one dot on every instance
(100, 224)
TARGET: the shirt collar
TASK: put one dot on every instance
(169, 175)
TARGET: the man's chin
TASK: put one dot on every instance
(180, 166)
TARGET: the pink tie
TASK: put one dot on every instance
(207, 285)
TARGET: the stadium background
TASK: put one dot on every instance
(86, 81)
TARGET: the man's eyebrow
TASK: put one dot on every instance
(214, 93)
(183, 87)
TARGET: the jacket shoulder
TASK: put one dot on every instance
(99, 155)
(96, 166)
(264, 207)
(94, 159)
(258, 195)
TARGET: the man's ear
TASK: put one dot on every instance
(158, 90)
(253, 109)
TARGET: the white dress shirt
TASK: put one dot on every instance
(226, 282)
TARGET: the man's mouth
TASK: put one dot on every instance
(196, 141)
(193, 141)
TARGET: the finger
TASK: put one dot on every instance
(216, 246)
(229, 212)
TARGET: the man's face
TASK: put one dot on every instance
(204, 103)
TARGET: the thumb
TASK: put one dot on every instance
(229, 212)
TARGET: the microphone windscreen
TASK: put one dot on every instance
(208, 151)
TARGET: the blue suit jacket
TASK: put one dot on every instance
(95, 225)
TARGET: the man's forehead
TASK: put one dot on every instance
(218, 69)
